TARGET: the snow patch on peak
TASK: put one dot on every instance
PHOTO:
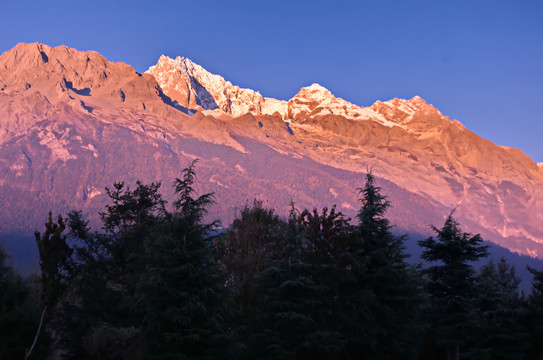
(313, 93)
(417, 98)
(164, 58)
(316, 87)
(402, 111)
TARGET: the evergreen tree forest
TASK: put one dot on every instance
(157, 281)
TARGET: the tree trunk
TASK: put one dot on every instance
(453, 352)
(37, 334)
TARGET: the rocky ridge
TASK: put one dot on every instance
(194, 88)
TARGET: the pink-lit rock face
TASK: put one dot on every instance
(195, 88)
(72, 123)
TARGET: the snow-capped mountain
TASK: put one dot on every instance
(194, 88)
(72, 123)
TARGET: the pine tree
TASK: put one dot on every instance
(325, 243)
(453, 312)
(252, 241)
(96, 315)
(148, 287)
(127, 222)
(99, 316)
(501, 336)
(395, 291)
(182, 294)
(95, 275)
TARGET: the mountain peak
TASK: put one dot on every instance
(29, 47)
(177, 62)
(316, 87)
(195, 88)
(28, 60)
(85, 80)
(25, 55)
(402, 111)
(164, 59)
(313, 93)
(418, 101)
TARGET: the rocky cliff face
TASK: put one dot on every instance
(72, 123)
(196, 89)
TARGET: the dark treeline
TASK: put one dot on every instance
(159, 283)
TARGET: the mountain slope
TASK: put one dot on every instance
(408, 142)
(72, 123)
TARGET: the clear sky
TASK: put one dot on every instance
(480, 62)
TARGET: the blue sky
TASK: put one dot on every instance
(480, 62)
